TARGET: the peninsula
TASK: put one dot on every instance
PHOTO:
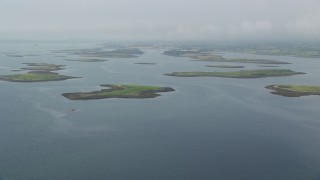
(119, 91)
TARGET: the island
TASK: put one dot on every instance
(224, 66)
(86, 60)
(268, 66)
(119, 91)
(35, 76)
(13, 55)
(102, 53)
(145, 63)
(294, 90)
(42, 67)
(198, 55)
(239, 74)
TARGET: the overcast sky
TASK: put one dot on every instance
(160, 19)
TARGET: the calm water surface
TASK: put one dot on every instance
(209, 128)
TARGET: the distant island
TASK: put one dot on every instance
(39, 72)
(35, 76)
(205, 56)
(145, 63)
(100, 52)
(14, 55)
(294, 90)
(239, 74)
(86, 60)
(42, 67)
(224, 66)
(119, 91)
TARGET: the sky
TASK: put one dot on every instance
(160, 19)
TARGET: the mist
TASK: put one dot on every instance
(160, 20)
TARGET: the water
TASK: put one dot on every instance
(209, 128)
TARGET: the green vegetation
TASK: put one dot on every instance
(35, 76)
(87, 60)
(224, 66)
(42, 67)
(239, 74)
(119, 91)
(205, 56)
(294, 90)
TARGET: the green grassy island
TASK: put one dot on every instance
(35, 76)
(119, 91)
(294, 90)
(42, 67)
(87, 60)
(239, 74)
(224, 66)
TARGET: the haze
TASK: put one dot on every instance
(160, 20)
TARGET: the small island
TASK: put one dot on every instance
(119, 91)
(14, 55)
(294, 90)
(87, 60)
(42, 67)
(35, 76)
(239, 74)
(224, 66)
(145, 63)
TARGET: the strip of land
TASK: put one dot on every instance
(294, 90)
(119, 91)
(239, 74)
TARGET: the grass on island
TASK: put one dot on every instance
(119, 91)
(42, 67)
(87, 60)
(294, 90)
(239, 74)
(35, 76)
(224, 66)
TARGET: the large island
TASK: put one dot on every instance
(294, 90)
(239, 74)
(119, 91)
